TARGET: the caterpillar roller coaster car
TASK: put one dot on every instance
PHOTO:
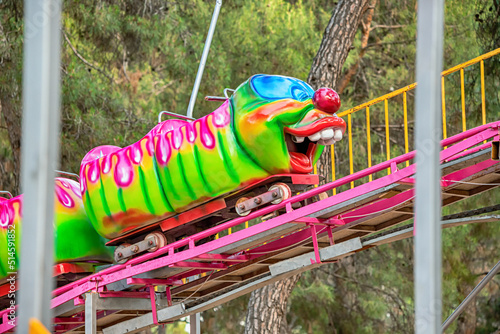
(183, 176)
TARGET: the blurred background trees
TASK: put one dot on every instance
(124, 61)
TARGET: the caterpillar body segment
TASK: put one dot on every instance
(270, 125)
(75, 239)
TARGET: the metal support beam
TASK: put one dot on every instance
(305, 261)
(91, 313)
(204, 56)
(134, 325)
(41, 104)
(427, 268)
(178, 311)
(471, 296)
(404, 232)
(194, 324)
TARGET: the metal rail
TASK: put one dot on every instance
(306, 230)
(471, 296)
(320, 219)
(151, 261)
(402, 95)
(203, 60)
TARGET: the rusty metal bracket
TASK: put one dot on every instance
(254, 202)
(122, 253)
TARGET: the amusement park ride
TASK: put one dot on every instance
(166, 201)
(199, 212)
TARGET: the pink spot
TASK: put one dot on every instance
(163, 150)
(177, 138)
(4, 214)
(136, 153)
(221, 116)
(83, 184)
(124, 172)
(207, 137)
(106, 163)
(191, 132)
(75, 188)
(150, 145)
(64, 198)
(7, 212)
(93, 171)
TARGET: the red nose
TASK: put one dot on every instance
(327, 100)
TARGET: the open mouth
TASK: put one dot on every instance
(302, 142)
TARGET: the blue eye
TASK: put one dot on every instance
(276, 87)
(299, 94)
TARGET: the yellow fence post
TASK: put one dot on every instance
(315, 172)
(387, 141)
(403, 91)
(368, 140)
(483, 98)
(332, 153)
(405, 120)
(351, 163)
(462, 93)
(443, 106)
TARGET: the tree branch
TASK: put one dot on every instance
(389, 43)
(388, 26)
(364, 42)
(75, 51)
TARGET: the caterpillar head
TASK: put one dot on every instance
(283, 124)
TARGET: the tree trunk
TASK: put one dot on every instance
(366, 24)
(326, 69)
(10, 118)
(9, 169)
(267, 306)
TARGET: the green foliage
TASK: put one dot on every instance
(127, 60)
(372, 292)
(132, 60)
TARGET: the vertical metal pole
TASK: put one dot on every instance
(427, 268)
(204, 56)
(194, 324)
(41, 93)
(91, 313)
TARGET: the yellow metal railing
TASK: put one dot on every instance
(404, 93)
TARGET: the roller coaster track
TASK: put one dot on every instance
(301, 233)
(184, 278)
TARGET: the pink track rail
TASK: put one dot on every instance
(151, 261)
(166, 256)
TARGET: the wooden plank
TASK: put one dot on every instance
(360, 227)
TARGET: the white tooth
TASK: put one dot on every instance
(338, 135)
(326, 142)
(327, 134)
(330, 142)
(298, 140)
(315, 137)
